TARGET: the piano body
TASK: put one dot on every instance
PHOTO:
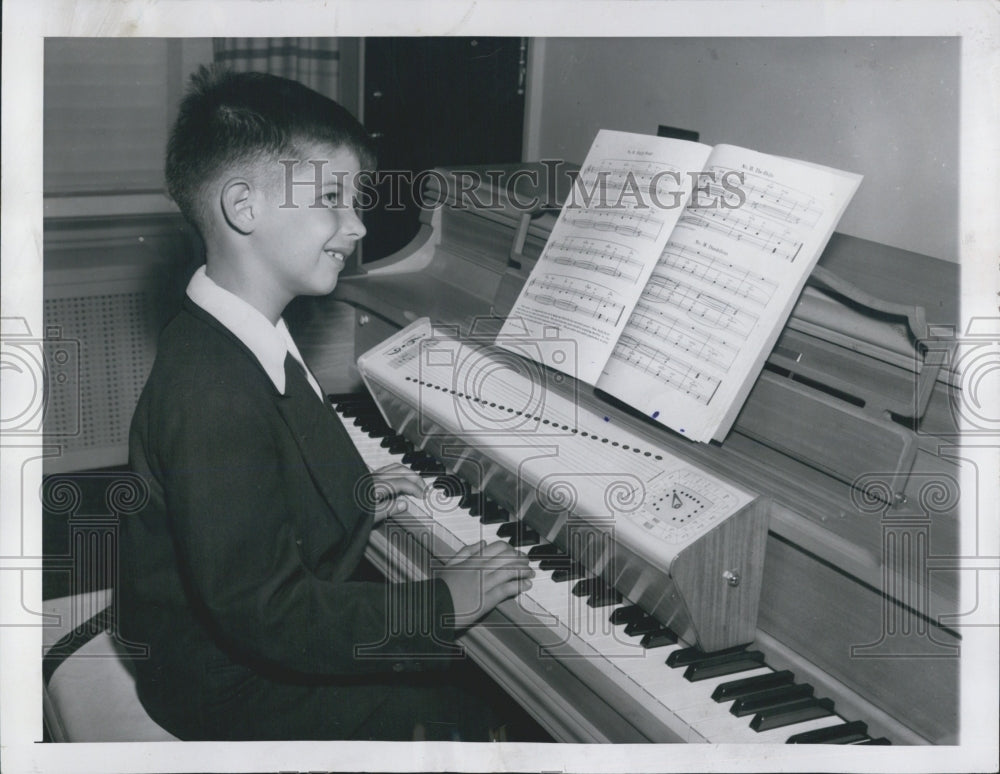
(842, 437)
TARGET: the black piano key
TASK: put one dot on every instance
(585, 587)
(659, 638)
(686, 656)
(525, 536)
(363, 418)
(494, 514)
(518, 533)
(563, 574)
(557, 563)
(396, 445)
(350, 397)
(628, 614)
(432, 467)
(544, 551)
(508, 529)
(450, 485)
(736, 689)
(497, 517)
(728, 664)
(642, 626)
(472, 502)
(603, 596)
(796, 712)
(846, 733)
(426, 464)
(771, 699)
(880, 740)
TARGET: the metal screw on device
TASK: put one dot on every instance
(731, 577)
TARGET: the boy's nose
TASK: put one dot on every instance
(351, 224)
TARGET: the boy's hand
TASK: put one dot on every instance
(385, 485)
(482, 576)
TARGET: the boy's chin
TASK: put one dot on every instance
(323, 289)
(324, 285)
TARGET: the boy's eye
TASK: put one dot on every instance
(333, 197)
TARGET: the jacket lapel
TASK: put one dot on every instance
(327, 451)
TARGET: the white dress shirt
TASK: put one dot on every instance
(269, 343)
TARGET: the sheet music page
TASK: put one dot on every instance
(723, 288)
(609, 235)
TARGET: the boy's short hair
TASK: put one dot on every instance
(229, 119)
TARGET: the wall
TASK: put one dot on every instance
(884, 107)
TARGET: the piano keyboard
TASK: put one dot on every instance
(730, 696)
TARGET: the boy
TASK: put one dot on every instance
(241, 572)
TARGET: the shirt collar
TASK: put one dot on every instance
(268, 343)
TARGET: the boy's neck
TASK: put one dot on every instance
(235, 277)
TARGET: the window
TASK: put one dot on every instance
(108, 104)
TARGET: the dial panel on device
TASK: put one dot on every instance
(684, 505)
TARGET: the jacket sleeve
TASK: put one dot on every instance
(244, 529)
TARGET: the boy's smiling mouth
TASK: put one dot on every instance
(337, 256)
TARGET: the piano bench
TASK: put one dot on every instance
(91, 695)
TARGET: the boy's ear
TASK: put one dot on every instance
(238, 204)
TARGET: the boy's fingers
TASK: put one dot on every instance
(503, 557)
(465, 552)
(499, 548)
(396, 480)
(395, 470)
(508, 590)
(508, 572)
(408, 486)
(391, 468)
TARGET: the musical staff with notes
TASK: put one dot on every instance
(674, 310)
(746, 229)
(610, 259)
(693, 318)
(606, 242)
(683, 376)
(638, 224)
(568, 294)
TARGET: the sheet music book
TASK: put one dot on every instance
(673, 266)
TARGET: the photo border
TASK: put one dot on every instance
(25, 25)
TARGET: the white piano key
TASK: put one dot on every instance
(592, 626)
(467, 529)
(721, 730)
(690, 699)
(550, 595)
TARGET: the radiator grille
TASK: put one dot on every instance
(93, 407)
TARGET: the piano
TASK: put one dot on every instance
(843, 441)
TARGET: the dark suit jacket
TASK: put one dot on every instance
(246, 549)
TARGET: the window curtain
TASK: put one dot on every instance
(314, 62)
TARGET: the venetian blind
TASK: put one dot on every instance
(106, 106)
